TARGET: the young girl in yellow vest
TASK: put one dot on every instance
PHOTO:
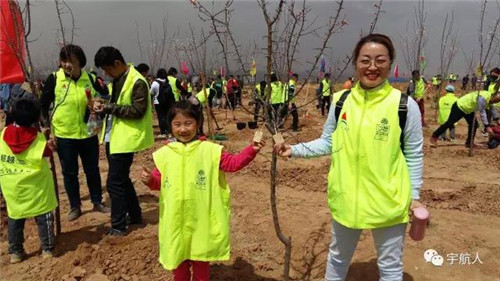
(26, 179)
(194, 195)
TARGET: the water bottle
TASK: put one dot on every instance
(420, 220)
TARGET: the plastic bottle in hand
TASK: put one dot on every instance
(420, 220)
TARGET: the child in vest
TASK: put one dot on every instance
(194, 195)
(445, 104)
(26, 180)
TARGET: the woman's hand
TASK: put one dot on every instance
(97, 106)
(283, 150)
(257, 146)
(415, 204)
(145, 175)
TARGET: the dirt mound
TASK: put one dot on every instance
(469, 199)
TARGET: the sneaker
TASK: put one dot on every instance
(74, 213)
(101, 208)
(116, 233)
(433, 142)
(47, 254)
(16, 258)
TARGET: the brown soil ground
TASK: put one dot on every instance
(462, 193)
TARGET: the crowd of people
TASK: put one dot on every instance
(372, 127)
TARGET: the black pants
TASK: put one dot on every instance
(238, 96)
(162, 119)
(45, 223)
(277, 113)
(258, 106)
(326, 101)
(88, 150)
(121, 190)
(295, 117)
(455, 115)
(231, 101)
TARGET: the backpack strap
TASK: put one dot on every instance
(340, 103)
(402, 113)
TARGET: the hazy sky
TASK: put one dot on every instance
(113, 23)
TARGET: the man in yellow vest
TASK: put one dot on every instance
(259, 98)
(465, 107)
(292, 98)
(26, 180)
(416, 90)
(128, 129)
(435, 82)
(494, 109)
(176, 85)
(277, 100)
(445, 104)
(326, 93)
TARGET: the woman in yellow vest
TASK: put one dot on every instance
(445, 104)
(26, 179)
(71, 90)
(374, 179)
(194, 195)
(128, 128)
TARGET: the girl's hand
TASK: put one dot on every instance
(257, 146)
(415, 204)
(283, 150)
(145, 175)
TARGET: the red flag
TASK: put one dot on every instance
(11, 43)
(396, 71)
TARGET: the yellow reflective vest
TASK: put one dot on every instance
(130, 135)
(291, 85)
(435, 81)
(326, 87)
(26, 180)
(70, 104)
(177, 92)
(468, 102)
(194, 204)
(277, 96)
(419, 88)
(445, 104)
(368, 183)
(203, 96)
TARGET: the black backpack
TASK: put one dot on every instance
(165, 95)
(402, 112)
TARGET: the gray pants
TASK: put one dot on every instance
(45, 224)
(389, 242)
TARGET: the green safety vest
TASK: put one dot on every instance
(177, 93)
(202, 97)
(130, 135)
(491, 89)
(419, 88)
(260, 96)
(194, 204)
(467, 103)
(445, 104)
(368, 183)
(435, 81)
(277, 95)
(110, 87)
(326, 87)
(292, 84)
(26, 180)
(70, 104)
(190, 89)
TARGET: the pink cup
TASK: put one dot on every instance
(420, 219)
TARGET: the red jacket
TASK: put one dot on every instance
(20, 138)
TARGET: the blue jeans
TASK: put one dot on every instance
(88, 150)
(45, 224)
(389, 242)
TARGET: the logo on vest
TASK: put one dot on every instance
(343, 122)
(166, 183)
(201, 180)
(382, 132)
